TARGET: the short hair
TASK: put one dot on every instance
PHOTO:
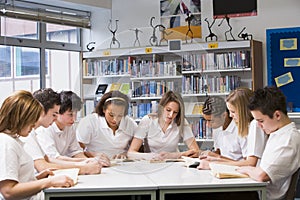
(112, 97)
(268, 100)
(19, 110)
(214, 106)
(171, 96)
(240, 98)
(47, 97)
(69, 101)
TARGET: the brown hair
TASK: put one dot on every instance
(239, 98)
(112, 97)
(171, 96)
(18, 111)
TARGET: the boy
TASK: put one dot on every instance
(268, 107)
(50, 101)
(226, 140)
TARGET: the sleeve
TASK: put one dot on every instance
(47, 142)
(243, 145)
(84, 130)
(9, 160)
(143, 128)
(217, 134)
(187, 131)
(131, 126)
(74, 147)
(33, 148)
(256, 140)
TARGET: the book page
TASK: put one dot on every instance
(225, 171)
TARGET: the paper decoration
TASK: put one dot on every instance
(288, 44)
(291, 62)
(284, 79)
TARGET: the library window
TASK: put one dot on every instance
(5, 61)
(61, 33)
(27, 61)
(22, 28)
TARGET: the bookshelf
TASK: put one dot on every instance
(196, 71)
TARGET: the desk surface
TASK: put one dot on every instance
(146, 176)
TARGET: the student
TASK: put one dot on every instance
(59, 140)
(237, 103)
(18, 114)
(281, 157)
(50, 101)
(163, 131)
(227, 142)
(109, 129)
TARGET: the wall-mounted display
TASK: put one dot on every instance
(284, 63)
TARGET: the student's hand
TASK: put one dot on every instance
(213, 158)
(120, 156)
(205, 154)
(45, 173)
(103, 160)
(91, 167)
(167, 155)
(204, 164)
(61, 181)
(190, 153)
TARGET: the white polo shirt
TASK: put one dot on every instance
(229, 142)
(159, 141)
(56, 143)
(32, 146)
(257, 140)
(16, 164)
(94, 132)
(281, 159)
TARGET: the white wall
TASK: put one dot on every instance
(136, 14)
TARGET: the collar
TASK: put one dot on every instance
(56, 129)
(104, 125)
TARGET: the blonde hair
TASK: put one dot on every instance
(239, 98)
(19, 110)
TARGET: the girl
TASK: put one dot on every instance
(161, 133)
(109, 130)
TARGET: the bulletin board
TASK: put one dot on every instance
(283, 63)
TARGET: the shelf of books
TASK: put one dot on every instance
(197, 71)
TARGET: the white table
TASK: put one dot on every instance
(178, 179)
(108, 183)
(144, 178)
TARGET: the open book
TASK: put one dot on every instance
(225, 171)
(72, 173)
(191, 162)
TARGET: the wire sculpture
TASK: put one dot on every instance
(113, 39)
(136, 41)
(228, 31)
(245, 36)
(211, 34)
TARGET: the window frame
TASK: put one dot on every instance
(42, 44)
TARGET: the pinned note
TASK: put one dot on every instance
(284, 79)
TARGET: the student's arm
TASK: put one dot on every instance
(194, 150)
(135, 145)
(249, 161)
(85, 168)
(255, 173)
(13, 190)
